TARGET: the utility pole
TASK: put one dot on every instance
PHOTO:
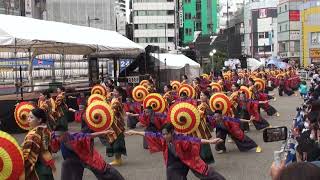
(165, 36)
(228, 29)
(176, 24)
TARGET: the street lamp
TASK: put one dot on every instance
(92, 19)
(211, 54)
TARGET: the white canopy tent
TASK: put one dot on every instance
(254, 64)
(46, 37)
(174, 61)
(36, 37)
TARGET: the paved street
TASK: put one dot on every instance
(234, 165)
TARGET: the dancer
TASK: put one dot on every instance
(203, 130)
(248, 109)
(46, 103)
(231, 126)
(115, 145)
(62, 110)
(260, 96)
(180, 153)
(38, 161)
(152, 122)
(169, 95)
(284, 87)
(78, 153)
(196, 86)
(184, 80)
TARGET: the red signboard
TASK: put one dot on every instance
(294, 15)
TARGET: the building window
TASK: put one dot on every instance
(198, 26)
(280, 29)
(285, 7)
(187, 1)
(297, 46)
(170, 12)
(261, 35)
(315, 38)
(188, 31)
(198, 6)
(266, 35)
(272, 33)
(170, 39)
(170, 26)
(187, 16)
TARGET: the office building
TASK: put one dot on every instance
(260, 25)
(289, 29)
(99, 14)
(154, 22)
(310, 32)
(198, 16)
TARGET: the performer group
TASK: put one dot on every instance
(180, 121)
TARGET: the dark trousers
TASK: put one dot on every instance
(245, 145)
(72, 169)
(175, 174)
(261, 124)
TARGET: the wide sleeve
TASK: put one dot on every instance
(55, 143)
(235, 130)
(254, 111)
(144, 120)
(31, 148)
(155, 141)
(46, 156)
(59, 99)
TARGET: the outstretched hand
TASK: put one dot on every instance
(130, 132)
(215, 140)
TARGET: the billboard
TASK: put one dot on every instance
(180, 14)
(314, 52)
(24, 62)
(294, 15)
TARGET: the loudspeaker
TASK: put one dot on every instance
(93, 65)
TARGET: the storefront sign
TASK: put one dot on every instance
(180, 14)
(294, 15)
(315, 60)
(133, 79)
(294, 35)
(314, 53)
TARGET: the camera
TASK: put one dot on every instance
(286, 151)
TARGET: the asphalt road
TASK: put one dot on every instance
(234, 165)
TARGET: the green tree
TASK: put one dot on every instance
(218, 60)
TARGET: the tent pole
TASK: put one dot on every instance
(53, 70)
(21, 86)
(16, 68)
(63, 68)
(115, 71)
(30, 68)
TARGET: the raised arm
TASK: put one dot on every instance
(101, 133)
(132, 132)
(211, 141)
